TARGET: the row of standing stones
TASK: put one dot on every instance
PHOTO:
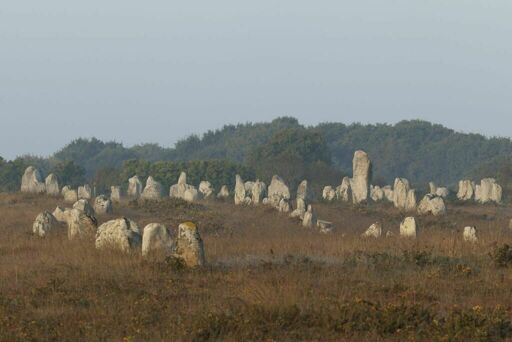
(357, 190)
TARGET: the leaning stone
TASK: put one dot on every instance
(85, 192)
(239, 191)
(189, 245)
(121, 234)
(80, 225)
(103, 205)
(408, 227)
(155, 237)
(44, 223)
(469, 234)
(361, 177)
(32, 181)
(153, 190)
(325, 227)
(432, 204)
(116, 194)
(83, 205)
(310, 218)
(52, 185)
(375, 231)
(134, 187)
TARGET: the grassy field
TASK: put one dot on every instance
(267, 278)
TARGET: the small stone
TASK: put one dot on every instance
(103, 205)
(408, 227)
(469, 234)
(44, 223)
(375, 231)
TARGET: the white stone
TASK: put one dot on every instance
(134, 187)
(400, 193)
(180, 189)
(284, 206)
(433, 205)
(344, 191)
(44, 223)
(310, 218)
(116, 194)
(325, 227)
(488, 191)
(189, 245)
(408, 227)
(432, 188)
(278, 191)
(155, 237)
(376, 193)
(61, 214)
(469, 234)
(466, 190)
(374, 231)
(80, 225)
(329, 194)
(83, 205)
(223, 193)
(103, 205)
(121, 234)
(70, 195)
(411, 201)
(206, 189)
(52, 185)
(191, 195)
(258, 192)
(443, 192)
(85, 192)
(361, 177)
(153, 190)
(248, 188)
(31, 182)
(388, 193)
(239, 191)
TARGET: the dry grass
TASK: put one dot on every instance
(267, 278)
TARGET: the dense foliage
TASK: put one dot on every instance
(417, 150)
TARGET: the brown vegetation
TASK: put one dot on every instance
(267, 279)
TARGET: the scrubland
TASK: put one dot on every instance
(267, 277)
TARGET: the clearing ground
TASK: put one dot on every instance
(267, 278)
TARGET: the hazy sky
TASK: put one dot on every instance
(156, 71)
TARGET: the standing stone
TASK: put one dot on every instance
(442, 192)
(191, 195)
(388, 193)
(134, 187)
(310, 218)
(466, 190)
(284, 206)
(116, 194)
(85, 192)
(80, 225)
(248, 188)
(344, 191)
(223, 193)
(361, 177)
(121, 234)
(179, 190)
(206, 189)
(510, 224)
(300, 210)
(432, 204)
(153, 190)
(469, 234)
(31, 182)
(278, 191)
(83, 205)
(301, 201)
(408, 227)
(103, 205)
(155, 237)
(70, 195)
(411, 201)
(258, 192)
(488, 191)
(239, 191)
(376, 193)
(329, 194)
(189, 245)
(432, 188)
(61, 214)
(44, 223)
(375, 231)
(52, 185)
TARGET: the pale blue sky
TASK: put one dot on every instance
(156, 71)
